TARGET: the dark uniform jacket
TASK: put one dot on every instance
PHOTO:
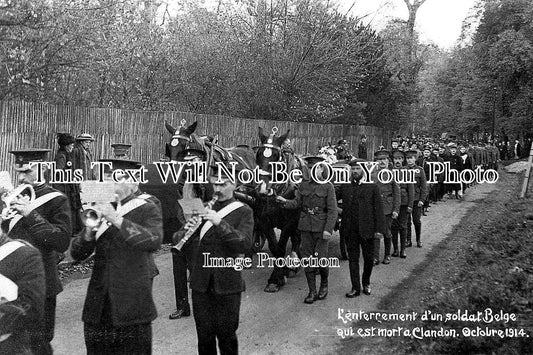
(390, 196)
(407, 193)
(230, 239)
(121, 282)
(421, 187)
(21, 317)
(48, 228)
(362, 209)
(318, 204)
(455, 161)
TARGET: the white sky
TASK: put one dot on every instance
(438, 21)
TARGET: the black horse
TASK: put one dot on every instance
(269, 213)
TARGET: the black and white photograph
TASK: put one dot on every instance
(266, 177)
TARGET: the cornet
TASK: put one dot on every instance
(91, 218)
(20, 191)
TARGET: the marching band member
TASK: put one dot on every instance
(22, 294)
(181, 260)
(226, 232)
(119, 307)
(45, 223)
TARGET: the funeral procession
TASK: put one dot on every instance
(266, 177)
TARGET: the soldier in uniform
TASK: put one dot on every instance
(422, 161)
(420, 188)
(455, 163)
(225, 232)
(438, 188)
(390, 198)
(22, 293)
(119, 307)
(317, 219)
(466, 163)
(363, 208)
(45, 223)
(399, 225)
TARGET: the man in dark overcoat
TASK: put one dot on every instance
(420, 187)
(46, 224)
(455, 163)
(226, 232)
(119, 307)
(363, 208)
(390, 198)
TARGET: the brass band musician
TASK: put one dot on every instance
(46, 224)
(119, 307)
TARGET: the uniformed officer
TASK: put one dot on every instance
(119, 307)
(399, 225)
(420, 194)
(46, 224)
(225, 232)
(317, 219)
(390, 198)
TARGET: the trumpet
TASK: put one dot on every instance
(24, 190)
(193, 229)
(90, 218)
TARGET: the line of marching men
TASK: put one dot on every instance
(119, 307)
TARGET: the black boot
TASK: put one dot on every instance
(183, 310)
(311, 283)
(323, 291)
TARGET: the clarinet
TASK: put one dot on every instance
(193, 229)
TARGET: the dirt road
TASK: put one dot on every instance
(278, 323)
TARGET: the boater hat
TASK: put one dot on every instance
(85, 137)
(23, 157)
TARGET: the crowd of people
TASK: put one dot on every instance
(119, 306)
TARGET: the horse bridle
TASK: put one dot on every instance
(176, 136)
(269, 145)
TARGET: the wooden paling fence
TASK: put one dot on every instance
(35, 125)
